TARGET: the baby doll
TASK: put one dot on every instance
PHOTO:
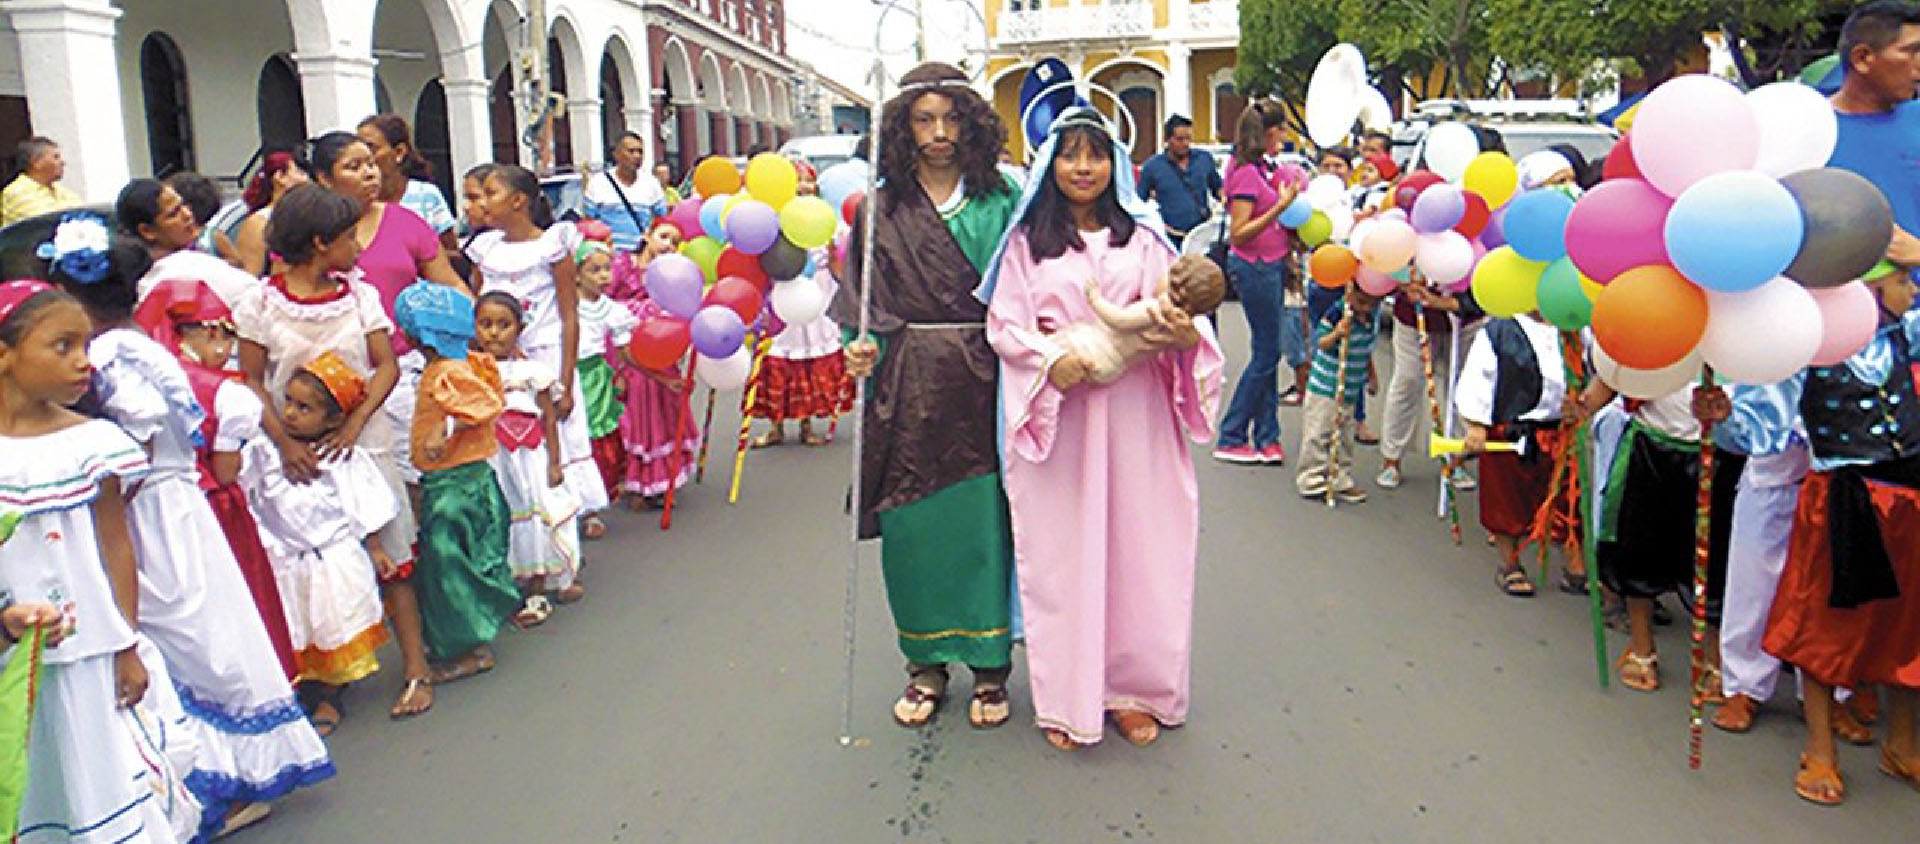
(1194, 285)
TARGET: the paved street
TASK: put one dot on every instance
(1357, 678)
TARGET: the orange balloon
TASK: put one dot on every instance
(714, 176)
(1650, 317)
(1333, 265)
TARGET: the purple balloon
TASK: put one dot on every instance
(1439, 208)
(717, 331)
(686, 216)
(1495, 234)
(677, 284)
(752, 226)
(1619, 225)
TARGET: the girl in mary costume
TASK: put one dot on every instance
(1106, 510)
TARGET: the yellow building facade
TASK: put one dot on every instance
(1157, 57)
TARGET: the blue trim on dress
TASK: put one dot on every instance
(219, 792)
(259, 721)
(145, 795)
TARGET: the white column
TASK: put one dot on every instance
(469, 122)
(72, 80)
(589, 137)
(639, 120)
(338, 89)
(1179, 82)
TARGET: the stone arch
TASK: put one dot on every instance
(618, 69)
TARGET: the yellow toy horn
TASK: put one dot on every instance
(1439, 446)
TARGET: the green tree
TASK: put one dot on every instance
(1429, 48)
(1280, 42)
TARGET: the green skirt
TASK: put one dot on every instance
(465, 584)
(603, 400)
(948, 560)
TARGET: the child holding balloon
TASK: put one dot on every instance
(661, 440)
(804, 374)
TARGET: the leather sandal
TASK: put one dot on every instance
(990, 706)
(1736, 715)
(1639, 673)
(1847, 728)
(1816, 778)
(1904, 770)
(1712, 687)
(918, 695)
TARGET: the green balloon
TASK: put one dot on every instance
(1563, 300)
(705, 251)
(1316, 230)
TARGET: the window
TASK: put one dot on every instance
(281, 108)
(163, 79)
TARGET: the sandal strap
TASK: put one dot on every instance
(916, 695)
(990, 693)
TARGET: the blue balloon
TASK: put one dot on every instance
(843, 180)
(710, 209)
(1535, 224)
(1298, 213)
(1735, 231)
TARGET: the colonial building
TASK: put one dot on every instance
(1160, 57)
(154, 86)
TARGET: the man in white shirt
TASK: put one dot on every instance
(624, 197)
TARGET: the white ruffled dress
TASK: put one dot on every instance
(86, 783)
(255, 744)
(315, 534)
(545, 537)
(524, 270)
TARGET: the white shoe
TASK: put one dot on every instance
(1316, 488)
(1389, 478)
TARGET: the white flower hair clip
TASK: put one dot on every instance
(78, 248)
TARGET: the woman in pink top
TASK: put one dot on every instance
(397, 248)
(1250, 433)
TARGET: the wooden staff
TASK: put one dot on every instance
(1702, 552)
(679, 435)
(706, 439)
(1433, 406)
(746, 416)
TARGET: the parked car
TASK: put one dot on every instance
(822, 151)
(1525, 126)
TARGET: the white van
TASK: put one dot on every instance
(822, 151)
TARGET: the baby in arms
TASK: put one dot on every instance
(1193, 285)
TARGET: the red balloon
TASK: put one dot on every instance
(1412, 186)
(1620, 163)
(738, 264)
(660, 342)
(852, 206)
(1477, 216)
(738, 295)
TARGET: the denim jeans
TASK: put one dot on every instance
(1253, 416)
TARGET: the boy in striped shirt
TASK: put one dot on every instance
(1343, 348)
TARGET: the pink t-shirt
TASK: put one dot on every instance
(392, 262)
(1255, 183)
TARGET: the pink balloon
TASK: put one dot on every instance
(1374, 282)
(1692, 127)
(1389, 244)
(1849, 315)
(1619, 225)
(686, 216)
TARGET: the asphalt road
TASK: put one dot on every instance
(1357, 678)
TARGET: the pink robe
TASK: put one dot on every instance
(1106, 510)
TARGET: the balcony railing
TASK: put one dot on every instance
(1103, 21)
(1214, 17)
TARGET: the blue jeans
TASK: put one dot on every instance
(1293, 336)
(1253, 416)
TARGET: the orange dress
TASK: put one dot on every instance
(467, 392)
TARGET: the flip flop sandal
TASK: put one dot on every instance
(1813, 775)
(593, 529)
(1573, 584)
(533, 613)
(986, 698)
(1514, 582)
(916, 696)
(413, 687)
(1736, 715)
(465, 667)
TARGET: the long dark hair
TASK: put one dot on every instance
(977, 148)
(394, 128)
(1049, 221)
(326, 150)
(520, 180)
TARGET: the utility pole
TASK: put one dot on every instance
(534, 64)
(920, 23)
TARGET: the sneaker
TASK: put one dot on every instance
(1389, 478)
(1463, 481)
(1273, 455)
(1244, 455)
(1351, 495)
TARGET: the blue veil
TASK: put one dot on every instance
(1081, 114)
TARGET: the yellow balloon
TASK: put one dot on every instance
(772, 179)
(714, 176)
(1590, 287)
(1492, 176)
(731, 203)
(1505, 284)
(808, 222)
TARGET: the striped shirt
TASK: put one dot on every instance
(1326, 362)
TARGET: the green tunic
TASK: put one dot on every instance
(931, 483)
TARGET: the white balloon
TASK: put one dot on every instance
(1450, 148)
(1335, 94)
(799, 301)
(1341, 216)
(727, 373)
(1763, 335)
(1356, 238)
(1798, 129)
(1645, 383)
(1444, 257)
(1326, 191)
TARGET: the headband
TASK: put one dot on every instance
(345, 385)
(436, 316)
(176, 302)
(587, 248)
(78, 248)
(935, 84)
(13, 294)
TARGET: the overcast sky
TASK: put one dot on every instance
(837, 36)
